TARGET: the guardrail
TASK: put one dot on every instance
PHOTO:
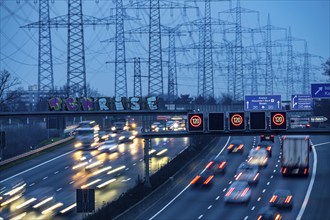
(36, 151)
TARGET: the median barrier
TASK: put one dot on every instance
(7, 161)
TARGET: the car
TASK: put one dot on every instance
(282, 198)
(238, 192)
(258, 157)
(247, 172)
(269, 213)
(267, 146)
(203, 179)
(267, 137)
(217, 165)
(109, 146)
(235, 146)
(126, 136)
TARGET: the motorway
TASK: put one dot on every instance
(191, 203)
(53, 177)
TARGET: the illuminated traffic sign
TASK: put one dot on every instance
(196, 122)
(278, 121)
(257, 120)
(236, 121)
(216, 122)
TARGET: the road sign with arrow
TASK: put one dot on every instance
(320, 90)
(262, 102)
(301, 102)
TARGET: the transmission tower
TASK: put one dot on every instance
(137, 89)
(74, 21)
(155, 76)
(238, 49)
(289, 68)
(45, 59)
(306, 83)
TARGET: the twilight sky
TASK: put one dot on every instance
(308, 19)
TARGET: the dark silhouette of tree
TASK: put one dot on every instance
(184, 99)
(326, 67)
(7, 87)
(199, 100)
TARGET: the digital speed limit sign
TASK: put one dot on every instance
(236, 121)
(195, 122)
(278, 121)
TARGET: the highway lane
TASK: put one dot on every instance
(319, 200)
(58, 179)
(209, 204)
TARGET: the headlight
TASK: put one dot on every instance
(79, 144)
(121, 138)
(113, 128)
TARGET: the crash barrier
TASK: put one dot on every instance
(7, 161)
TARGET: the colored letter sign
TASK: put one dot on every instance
(195, 122)
(236, 121)
(216, 122)
(278, 120)
(257, 120)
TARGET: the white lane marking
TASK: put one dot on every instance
(259, 199)
(274, 171)
(31, 184)
(209, 207)
(310, 187)
(32, 168)
(264, 190)
(162, 209)
(321, 144)
(66, 167)
(278, 161)
(56, 172)
(134, 164)
(223, 147)
(276, 165)
(253, 208)
(141, 159)
(126, 180)
(71, 182)
(271, 176)
(217, 198)
(59, 189)
(268, 183)
(45, 178)
(224, 189)
(230, 182)
(246, 217)
(127, 168)
(201, 216)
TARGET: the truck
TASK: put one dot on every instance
(295, 155)
(87, 137)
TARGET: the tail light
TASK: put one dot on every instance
(255, 177)
(238, 176)
(258, 147)
(305, 170)
(284, 171)
(230, 146)
(230, 191)
(259, 218)
(222, 164)
(244, 192)
(272, 135)
(288, 199)
(269, 148)
(209, 165)
(240, 146)
(208, 180)
(195, 179)
(272, 200)
(278, 217)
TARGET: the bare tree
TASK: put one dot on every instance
(7, 86)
